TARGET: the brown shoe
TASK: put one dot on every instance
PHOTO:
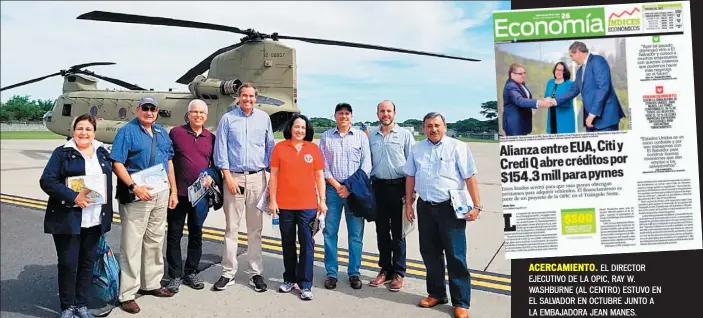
(380, 280)
(460, 312)
(396, 283)
(130, 306)
(160, 292)
(429, 302)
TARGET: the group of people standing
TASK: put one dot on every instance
(306, 182)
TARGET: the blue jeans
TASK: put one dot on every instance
(297, 270)
(441, 232)
(355, 230)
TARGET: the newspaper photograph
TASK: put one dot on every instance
(598, 149)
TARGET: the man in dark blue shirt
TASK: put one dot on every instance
(138, 145)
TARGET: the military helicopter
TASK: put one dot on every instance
(258, 58)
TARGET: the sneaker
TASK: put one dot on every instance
(286, 287)
(194, 281)
(82, 312)
(68, 312)
(258, 283)
(174, 285)
(396, 283)
(223, 283)
(381, 279)
(306, 294)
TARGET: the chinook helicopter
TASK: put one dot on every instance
(258, 58)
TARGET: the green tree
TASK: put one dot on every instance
(21, 108)
(490, 109)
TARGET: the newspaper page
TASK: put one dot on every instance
(598, 130)
(155, 177)
(97, 184)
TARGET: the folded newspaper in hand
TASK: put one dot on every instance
(263, 204)
(155, 177)
(461, 202)
(197, 190)
(97, 184)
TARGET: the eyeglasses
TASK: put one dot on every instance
(149, 108)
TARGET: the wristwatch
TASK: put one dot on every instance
(479, 208)
(131, 186)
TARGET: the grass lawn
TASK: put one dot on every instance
(29, 135)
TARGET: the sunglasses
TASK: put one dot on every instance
(149, 108)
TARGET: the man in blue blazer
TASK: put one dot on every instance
(518, 103)
(601, 109)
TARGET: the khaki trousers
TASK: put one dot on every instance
(141, 245)
(235, 207)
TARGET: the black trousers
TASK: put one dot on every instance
(389, 226)
(176, 219)
(76, 256)
(441, 233)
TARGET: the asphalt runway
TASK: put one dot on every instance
(29, 285)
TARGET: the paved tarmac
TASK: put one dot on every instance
(22, 163)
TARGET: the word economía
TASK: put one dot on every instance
(565, 26)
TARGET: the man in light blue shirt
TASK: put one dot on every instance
(437, 165)
(390, 148)
(345, 150)
(243, 146)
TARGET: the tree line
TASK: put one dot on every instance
(489, 110)
(23, 108)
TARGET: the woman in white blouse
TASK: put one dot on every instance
(74, 219)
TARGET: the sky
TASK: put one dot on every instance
(40, 38)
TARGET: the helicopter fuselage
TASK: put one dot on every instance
(269, 65)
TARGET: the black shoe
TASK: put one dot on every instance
(330, 283)
(258, 283)
(355, 282)
(223, 283)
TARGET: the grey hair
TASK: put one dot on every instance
(578, 46)
(433, 115)
(197, 101)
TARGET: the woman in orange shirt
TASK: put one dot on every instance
(297, 194)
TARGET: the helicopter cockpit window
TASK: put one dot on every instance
(66, 111)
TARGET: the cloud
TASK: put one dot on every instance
(41, 38)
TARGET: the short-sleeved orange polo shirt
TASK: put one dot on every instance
(296, 174)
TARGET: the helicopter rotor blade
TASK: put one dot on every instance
(204, 65)
(371, 47)
(30, 81)
(84, 65)
(114, 81)
(141, 19)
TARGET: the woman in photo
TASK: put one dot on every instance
(561, 118)
(297, 195)
(74, 220)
